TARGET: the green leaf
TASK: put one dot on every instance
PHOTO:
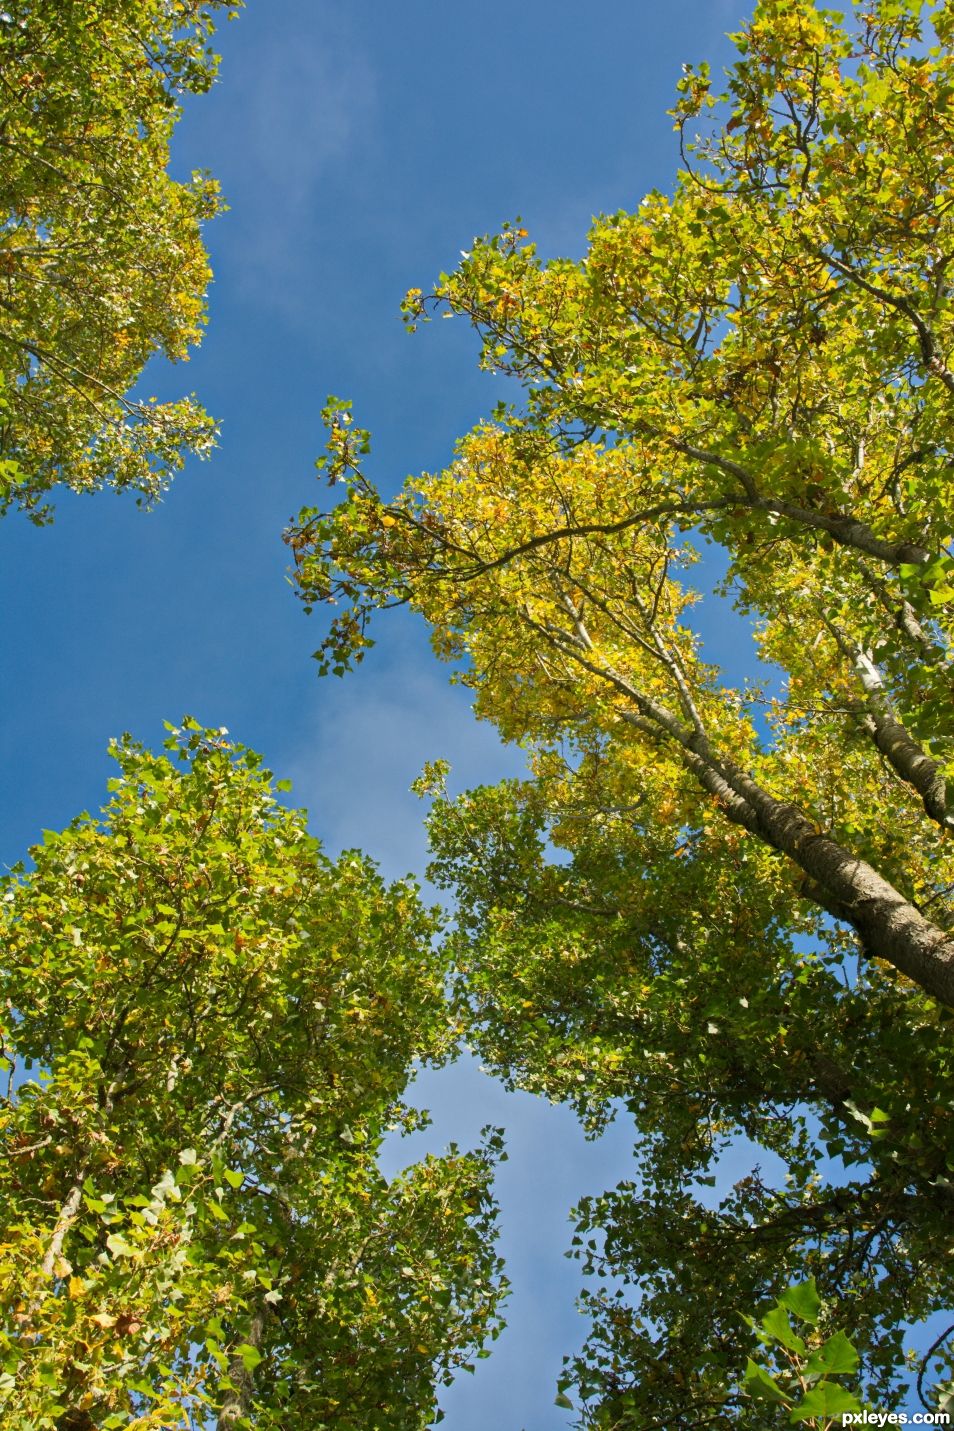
(837, 1357)
(825, 1399)
(759, 1384)
(249, 1356)
(233, 1177)
(777, 1325)
(803, 1300)
(217, 1355)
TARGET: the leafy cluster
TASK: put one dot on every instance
(805, 1370)
(672, 974)
(804, 1366)
(747, 933)
(209, 1030)
(101, 257)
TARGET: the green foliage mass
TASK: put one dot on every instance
(672, 976)
(209, 1029)
(101, 257)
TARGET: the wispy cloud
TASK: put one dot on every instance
(368, 739)
(302, 102)
(551, 1166)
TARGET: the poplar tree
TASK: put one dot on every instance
(750, 928)
(209, 1027)
(102, 263)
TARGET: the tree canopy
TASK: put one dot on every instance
(101, 256)
(750, 928)
(209, 1028)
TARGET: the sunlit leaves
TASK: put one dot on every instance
(101, 257)
(758, 361)
(800, 1376)
(210, 1028)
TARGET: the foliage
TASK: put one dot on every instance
(749, 927)
(805, 1362)
(799, 1378)
(101, 258)
(672, 973)
(209, 1029)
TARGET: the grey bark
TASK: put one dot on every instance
(889, 926)
(238, 1402)
(64, 1221)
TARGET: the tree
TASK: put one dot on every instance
(209, 1030)
(751, 928)
(101, 257)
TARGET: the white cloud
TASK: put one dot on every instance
(368, 738)
(303, 101)
(310, 97)
(550, 1167)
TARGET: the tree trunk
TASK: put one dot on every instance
(238, 1402)
(888, 925)
(64, 1221)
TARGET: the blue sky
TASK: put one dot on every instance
(360, 148)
